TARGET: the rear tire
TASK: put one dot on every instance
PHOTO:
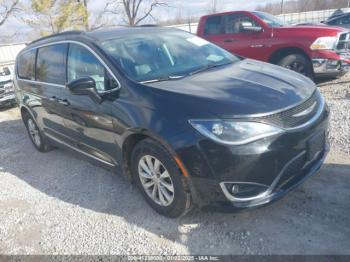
(158, 177)
(35, 134)
(298, 63)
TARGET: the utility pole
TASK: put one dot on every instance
(282, 5)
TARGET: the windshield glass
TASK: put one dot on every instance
(269, 19)
(164, 54)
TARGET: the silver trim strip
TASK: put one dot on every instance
(306, 111)
(78, 150)
(238, 199)
(39, 82)
(81, 44)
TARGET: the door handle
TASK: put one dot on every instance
(228, 40)
(64, 102)
(53, 99)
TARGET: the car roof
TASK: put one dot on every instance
(337, 17)
(99, 35)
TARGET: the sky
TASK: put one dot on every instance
(187, 8)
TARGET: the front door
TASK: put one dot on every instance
(89, 123)
(238, 40)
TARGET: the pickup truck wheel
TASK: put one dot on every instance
(159, 179)
(298, 63)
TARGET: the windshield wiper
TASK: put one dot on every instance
(208, 67)
(161, 79)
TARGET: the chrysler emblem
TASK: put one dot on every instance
(306, 111)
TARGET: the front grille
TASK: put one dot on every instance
(343, 43)
(290, 118)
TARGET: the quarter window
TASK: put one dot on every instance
(51, 64)
(26, 65)
(82, 63)
(213, 26)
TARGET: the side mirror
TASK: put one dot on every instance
(249, 27)
(84, 86)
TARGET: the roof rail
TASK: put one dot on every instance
(72, 32)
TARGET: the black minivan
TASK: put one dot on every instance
(188, 122)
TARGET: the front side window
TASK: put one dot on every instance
(150, 56)
(26, 65)
(235, 24)
(82, 63)
(213, 26)
(269, 19)
(50, 65)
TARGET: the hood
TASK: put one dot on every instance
(245, 87)
(309, 31)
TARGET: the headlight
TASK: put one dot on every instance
(9, 88)
(234, 132)
(324, 43)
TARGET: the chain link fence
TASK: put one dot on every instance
(309, 17)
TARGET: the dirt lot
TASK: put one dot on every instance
(56, 203)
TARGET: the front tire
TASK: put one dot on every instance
(298, 63)
(158, 177)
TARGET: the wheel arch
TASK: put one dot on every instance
(26, 111)
(133, 139)
(285, 51)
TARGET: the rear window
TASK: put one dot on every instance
(51, 64)
(26, 65)
(213, 25)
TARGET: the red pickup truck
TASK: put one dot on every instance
(311, 50)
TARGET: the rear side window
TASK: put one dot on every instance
(26, 65)
(213, 26)
(51, 64)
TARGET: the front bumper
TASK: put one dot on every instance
(277, 163)
(330, 67)
(6, 98)
(330, 62)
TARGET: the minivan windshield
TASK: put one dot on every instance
(164, 55)
(269, 19)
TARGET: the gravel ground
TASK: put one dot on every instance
(56, 203)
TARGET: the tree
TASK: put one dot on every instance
(214, 6)
(97, 19)
(54, 16)
(134, 11)
(7, 8)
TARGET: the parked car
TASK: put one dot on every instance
(341, 21)
(188, 122)
(310, 50)
(7, 94)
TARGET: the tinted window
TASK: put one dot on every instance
(82, 63)
(26, 65)
(213, 26)
(234, 24)
(342, 21)
(51, 64)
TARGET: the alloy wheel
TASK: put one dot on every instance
(156, 180)
(34, 132)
